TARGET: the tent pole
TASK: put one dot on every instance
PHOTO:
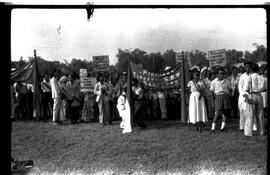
(183, 97)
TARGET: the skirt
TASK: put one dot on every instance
(222, 102)
(197, 109)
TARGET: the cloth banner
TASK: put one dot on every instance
(167, 79)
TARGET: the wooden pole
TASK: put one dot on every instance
(183, 96)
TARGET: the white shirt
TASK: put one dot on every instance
(241, 100)
(254, 84)
(234, 83)
(97, 90)
(55, 88)
(138, 91)
(220, 86)
(44, 87)
(193, 87)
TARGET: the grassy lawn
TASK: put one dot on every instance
(165, 147)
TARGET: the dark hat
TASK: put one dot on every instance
(248, 63)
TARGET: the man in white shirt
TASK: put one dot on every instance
(241, 100)
(56, 96)
(253, 88)
(220, 89)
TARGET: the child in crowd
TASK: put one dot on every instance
(124, 112)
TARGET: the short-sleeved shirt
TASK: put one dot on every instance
(193, 87)
(255, 83)
(138, 91)
(220, 86)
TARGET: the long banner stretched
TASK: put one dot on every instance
(168, 79)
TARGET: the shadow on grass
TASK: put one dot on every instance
(21, 171)
(231, 124)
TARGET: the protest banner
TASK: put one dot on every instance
(101, 63)
(217, 57)
(83, 72)
(163, 80)
(87, 84)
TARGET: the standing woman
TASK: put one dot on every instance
(206, 83)
(64, 96)
(197, 109)
(73, 91)
(99, 91)
(116, 92)
(107, 110)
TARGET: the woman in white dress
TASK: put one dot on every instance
(124, 112)
(197, 108)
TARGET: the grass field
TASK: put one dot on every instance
(165, 147)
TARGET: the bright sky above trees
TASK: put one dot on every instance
(66, 34)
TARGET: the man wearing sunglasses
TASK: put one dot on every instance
(220, 89)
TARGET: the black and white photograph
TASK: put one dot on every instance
(108, 88)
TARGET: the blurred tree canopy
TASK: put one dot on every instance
(153, 62)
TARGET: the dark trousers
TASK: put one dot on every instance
(115, 113)
(138, 114)
(24, 106)
(234, 102)
(74, 113)
(47, 105)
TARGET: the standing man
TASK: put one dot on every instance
(253, 88)
(55, 96)
(138, 97)
(47, 96)
(241, 100)
(220, 89)
(23, 103)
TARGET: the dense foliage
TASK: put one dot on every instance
(153, 62)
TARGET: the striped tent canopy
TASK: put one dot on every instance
(24, 73)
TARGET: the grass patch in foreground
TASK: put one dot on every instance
(166, 147)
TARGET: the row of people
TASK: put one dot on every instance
(248, 90)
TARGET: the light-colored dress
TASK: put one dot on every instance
(124, 112)
(162, 104)
(197, 109)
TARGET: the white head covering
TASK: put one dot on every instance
(203, 69)
(63, 79)
(195, 67)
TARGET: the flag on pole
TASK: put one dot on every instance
(37, 99)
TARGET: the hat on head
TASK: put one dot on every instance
(248, 63)
(63, 79)
(203, 69)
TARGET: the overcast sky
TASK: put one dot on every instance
(151, 30)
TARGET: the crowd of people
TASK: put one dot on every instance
(211, 93)
(229, 92)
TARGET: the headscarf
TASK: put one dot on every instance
(203, 69)
(63, 79)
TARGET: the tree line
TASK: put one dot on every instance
(153, 62)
